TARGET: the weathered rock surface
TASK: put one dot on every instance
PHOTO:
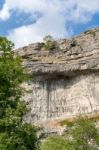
(65, 80)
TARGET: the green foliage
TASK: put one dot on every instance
(49, 43)
(55, 143)
(69, 123)
(14, 134)
(21, 139)
(83, 135)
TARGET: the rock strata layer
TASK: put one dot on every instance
(65, 80)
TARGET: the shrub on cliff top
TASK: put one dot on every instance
(49, 43)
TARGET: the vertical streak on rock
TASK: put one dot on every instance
(51, 99)
(48, 98)
(72, 77)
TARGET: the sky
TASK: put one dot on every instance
(28, 21)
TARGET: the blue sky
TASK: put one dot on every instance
(93, 23)
(28, 21)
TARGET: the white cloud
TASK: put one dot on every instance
(4, 13)
(35, 32)
(55, 17)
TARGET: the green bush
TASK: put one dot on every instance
(55, 143)
(14, 134)
(49, 43)
(83, 135)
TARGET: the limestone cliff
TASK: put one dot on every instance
(65, 80)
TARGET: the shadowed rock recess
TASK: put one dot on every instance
(64, 81)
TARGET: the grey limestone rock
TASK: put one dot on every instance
(65, 81)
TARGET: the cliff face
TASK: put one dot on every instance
(65, 80)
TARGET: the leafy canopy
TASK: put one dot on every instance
(14, 134)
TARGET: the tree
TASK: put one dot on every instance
(14, 134)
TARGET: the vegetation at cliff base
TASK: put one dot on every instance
(14, 134)
(55, 143)
(83, 135)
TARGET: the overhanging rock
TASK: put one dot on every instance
(65, 80)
